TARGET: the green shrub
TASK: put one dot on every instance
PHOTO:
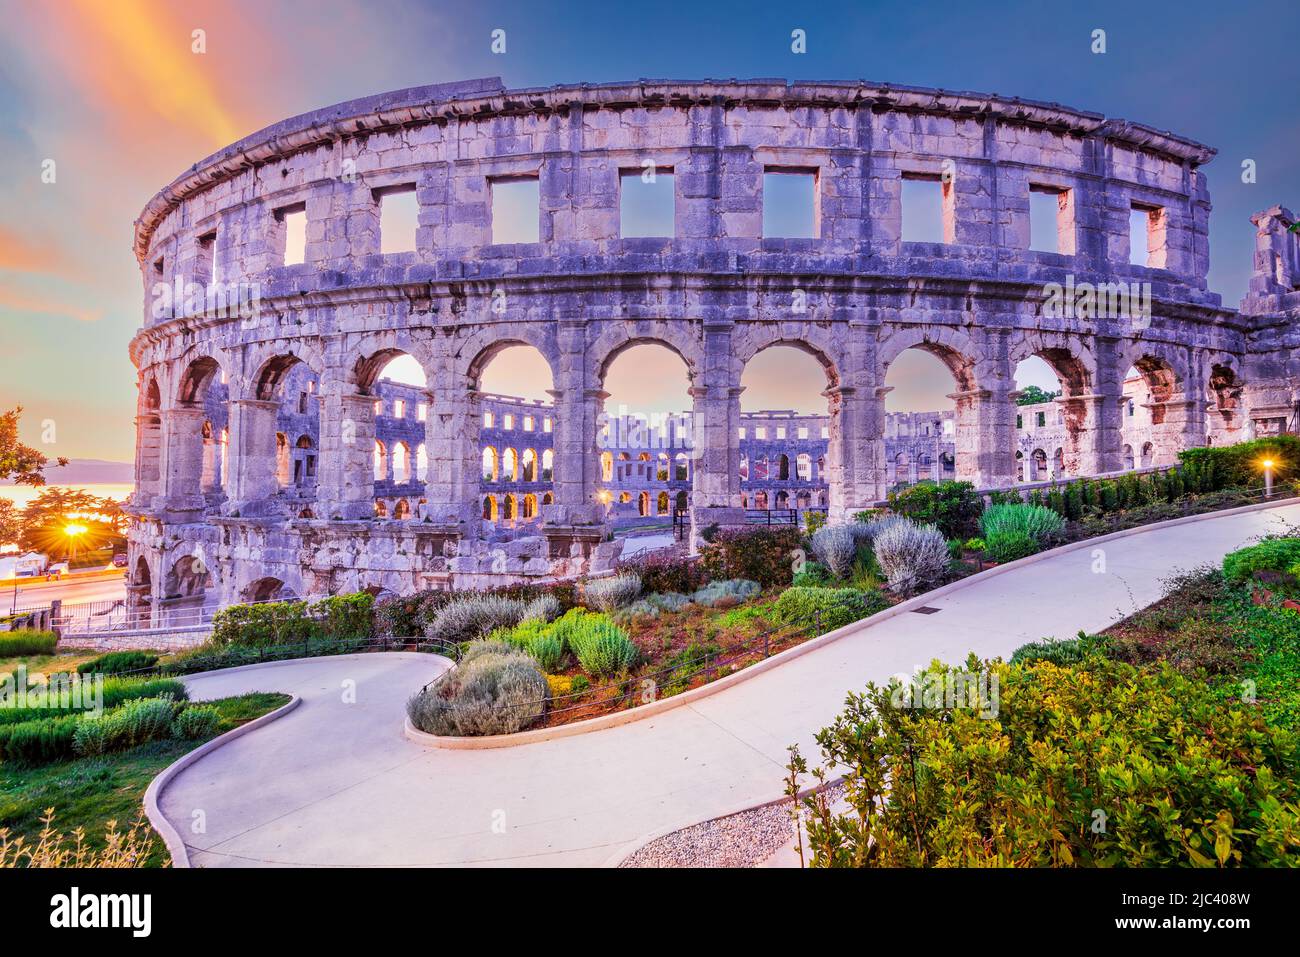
(535, 637)
(344, 618)
(951, 506)
(118, 663)
(1039, 523)
(826, 608)
(911, 556)
(1002, 547)
(490, 692)
(39, 741)
(1272, 554)
(610, 594)
(1227, 466)
(668, 601)
(196, 721)
(1182, 778)
(26, 641)
(813, 573)
(134, 723)
(601, 647)
(813, 521)
(727, 593)
(763, 554)
(1065, 651)
(116, 690)
(974, 545)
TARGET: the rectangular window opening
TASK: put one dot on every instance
(293, 220)
(790, 204)
(646, 203)
(927, 210)
(1147, 236)
(399, 216)
(516, 210)
(1051, 220)
(205, 266)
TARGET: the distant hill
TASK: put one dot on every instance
(87, 472)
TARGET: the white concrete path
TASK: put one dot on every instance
(334, 783)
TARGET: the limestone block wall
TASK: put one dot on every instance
(721, 288)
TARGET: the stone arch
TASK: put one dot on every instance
(402, 510)
(272, 362)
(197, 374)
(615, 338)
(267, 588)
(374, 353)
(489, 508)
(1225, 421)
(953, 348)
(1068, 356)
(478, 351)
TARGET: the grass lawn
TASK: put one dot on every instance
(90, 792)
(46, 664)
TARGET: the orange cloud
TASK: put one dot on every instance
(19, 252)
(23, 302)
(135, 53)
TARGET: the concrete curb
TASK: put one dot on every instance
(172, 837)
(695, 694)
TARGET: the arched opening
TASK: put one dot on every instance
(530, 506)
(491, 465)
(286, 409)
(931, 396)
(790, 402)
(548, 464)
(401, 463)
(1044, 417)
(490, 508)
(401, 510)
(139, 594)
(647, 418)
(512, 385)
(1161, 418)
(661, 504)
(1038, 466)
(380, 462)
(268, 589)
(1224, 420)
(548, 498)
(1148, 455)
(381, 508)
(421, 463)
(304, 462)
(1127, 455)
(200, 414)
(187, 590)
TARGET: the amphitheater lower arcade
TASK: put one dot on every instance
(272, 457)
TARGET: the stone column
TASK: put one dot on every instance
(183, 457)
(452, 432)
(986, 436)
(715, 451)
(855, 453)
(1176, 424)
(251, 479)
(1094, 444)
(577, 442)
(345, 486)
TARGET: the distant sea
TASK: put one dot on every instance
(20, 495)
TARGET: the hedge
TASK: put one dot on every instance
(336, 618)
(25, 641)
(765, 554)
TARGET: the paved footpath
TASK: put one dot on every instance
(336, 783)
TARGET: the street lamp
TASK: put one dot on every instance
(1268, 477)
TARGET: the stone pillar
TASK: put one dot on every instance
(182, 429)
(986, 437)
(1094, 443)
(345, 486)
(251, 482)
(1176, 424)
(452, 431)
(148, 458)
(855, 451)
(577, 442)
(715, 451)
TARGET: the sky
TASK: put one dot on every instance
(114, 100)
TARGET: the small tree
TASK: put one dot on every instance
(19, 462)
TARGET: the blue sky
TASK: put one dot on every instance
(112, 91)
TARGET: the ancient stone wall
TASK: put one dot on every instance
(853, 291)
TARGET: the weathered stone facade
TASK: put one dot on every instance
(717, 291)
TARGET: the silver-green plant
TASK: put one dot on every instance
(911, 555)
(726, 593)
(541, 608)
(464, 619)
(610, 594)
(836, 547)
(492, 693)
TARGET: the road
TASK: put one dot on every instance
(68, 591)
(334, 783)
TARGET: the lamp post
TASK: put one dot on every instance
(1268, 478)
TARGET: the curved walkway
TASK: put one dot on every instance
(336, 783)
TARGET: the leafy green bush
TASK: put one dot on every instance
(763, 554)
(118, 663)
(610, 594)
(910, 555)
(1272, 554)
(727, 593)
(1039, 523)
(134, 723)
(492, 691)
(1181, 779)
(1002, 547)
(26, 641)
(38, 741)
(951, 506)
(1065, 651)
(1225, 466)
(196, 721)
(975, 545)
(48, 702)
(535, 637)
(601, 647)
(826, 608)
(813, 573)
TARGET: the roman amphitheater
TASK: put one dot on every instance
(270, 460)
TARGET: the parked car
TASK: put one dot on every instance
(119, 560)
